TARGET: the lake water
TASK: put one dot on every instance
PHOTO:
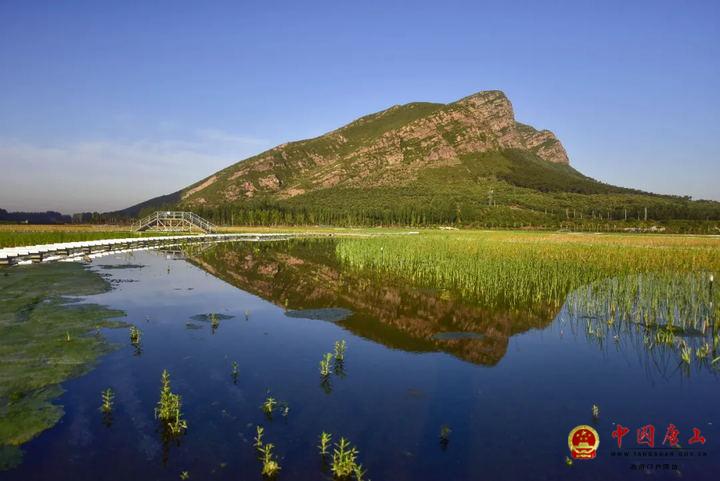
(510, 385)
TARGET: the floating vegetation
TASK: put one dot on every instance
(325, 440)
(214, 322)
(325, 365)
(340, 347)
(209, 317)
(169, 407)
(184, 475)
(37, 318)
(107, 400)
(120, 266)
(595, 412)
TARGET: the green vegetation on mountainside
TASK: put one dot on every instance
(467, 163)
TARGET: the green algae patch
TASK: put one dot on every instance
(46, 337)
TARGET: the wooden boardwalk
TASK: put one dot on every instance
(76, 251)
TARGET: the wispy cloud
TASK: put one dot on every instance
(105, 174)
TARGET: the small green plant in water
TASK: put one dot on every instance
(169, 406)
(595, 411)
(269, 405)
(258, 437)
(340, 347)
(344, 459)
(107, 400)
(685, 354)
(325, 439)
(135, 335)
(445, 435)
(185, 475)
(325, 365)
(270, 465)
(214, 322)
(359, 472)
(703, 351)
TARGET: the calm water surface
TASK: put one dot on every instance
(510, 385)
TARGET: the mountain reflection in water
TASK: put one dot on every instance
(305, 276)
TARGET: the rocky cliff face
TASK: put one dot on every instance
(388, 148)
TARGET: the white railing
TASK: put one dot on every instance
(173, 221)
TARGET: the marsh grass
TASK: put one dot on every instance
(663, 280)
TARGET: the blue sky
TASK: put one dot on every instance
(104, 104)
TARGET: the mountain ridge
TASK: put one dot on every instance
(434, 159)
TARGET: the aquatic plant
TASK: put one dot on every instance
(235, 371)
(445, 435)
(185, 475)
(340, 347)
(284, 408)
(67, 336)
(269, 405)
(107, 400)
(168, 409)
(325, 439)
(325, 365)
(343, 459)
(703, 351)
(178, 425)
(259, 437)
(214, 322)
(685, 353)
(270, 465)
(568, 461)
(135, 334)
(595, 411)
(359, 472)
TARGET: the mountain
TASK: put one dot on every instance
(468, 161)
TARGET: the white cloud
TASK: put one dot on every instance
(110, 174)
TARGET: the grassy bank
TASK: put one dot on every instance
(25, 235)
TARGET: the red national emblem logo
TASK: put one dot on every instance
(583, 442)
